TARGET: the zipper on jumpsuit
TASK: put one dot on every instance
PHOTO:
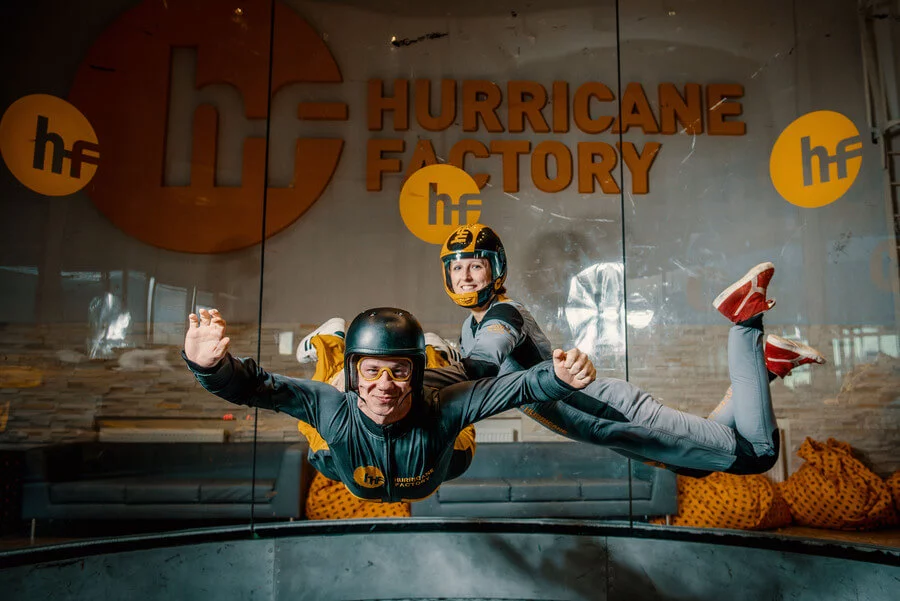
(387, 469)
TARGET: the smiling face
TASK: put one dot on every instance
(469, 275)
(385, 388)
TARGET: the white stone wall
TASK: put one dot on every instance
(855, 398)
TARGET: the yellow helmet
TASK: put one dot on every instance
(474, 241)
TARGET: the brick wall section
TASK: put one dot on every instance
(856, 398)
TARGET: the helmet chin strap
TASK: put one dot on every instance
(487, 302)
(467, 300)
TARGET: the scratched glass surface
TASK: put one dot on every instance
(618, 238)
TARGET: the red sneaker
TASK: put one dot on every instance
(747, 297)
(783, 355)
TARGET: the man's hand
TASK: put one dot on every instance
(205, 342)
(574, 368)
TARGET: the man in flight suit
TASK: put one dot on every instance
(389, 437)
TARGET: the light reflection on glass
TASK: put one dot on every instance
(109, 325)
(26, 269)
(859, 346)
(595, 310)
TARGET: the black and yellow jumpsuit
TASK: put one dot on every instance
(403, 461)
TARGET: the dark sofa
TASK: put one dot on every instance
(553, 479)
(107, 481)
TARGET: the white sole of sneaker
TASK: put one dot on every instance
(439, 344)
(747, 277)
(803, 350)
(305, 352)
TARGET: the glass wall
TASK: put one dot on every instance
(783, 161)
(274, 162)
(134, 139)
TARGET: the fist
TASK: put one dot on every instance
(573, 367)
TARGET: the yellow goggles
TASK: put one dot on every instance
(400, 371)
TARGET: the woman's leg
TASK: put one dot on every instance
(751, 400)
(782, 356)
(616, 414)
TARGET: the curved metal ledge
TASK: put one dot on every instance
(274, 530)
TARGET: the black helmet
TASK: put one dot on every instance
(474, 241)
(384, 332)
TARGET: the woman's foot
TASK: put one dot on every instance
(783, 355)
(746, 298)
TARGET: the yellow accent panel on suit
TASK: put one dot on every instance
(316, 442)
(465, 440)
(434, 358)
(330, 356)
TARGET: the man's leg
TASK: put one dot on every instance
(595, 419)
(441, 377)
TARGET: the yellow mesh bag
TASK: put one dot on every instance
(728, 501)
(893, 483)
(834, 490)
(330, 500)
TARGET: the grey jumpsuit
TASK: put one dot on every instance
(614, 413)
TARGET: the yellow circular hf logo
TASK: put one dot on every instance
(816, 159)
(437, 199)
(48, 145)
(368, 476)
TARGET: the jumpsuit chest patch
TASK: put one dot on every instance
(368, 476)
(497, 327)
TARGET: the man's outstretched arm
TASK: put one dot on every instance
(551, 380)
(242, 381)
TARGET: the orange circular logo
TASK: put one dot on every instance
(368, 476)
(178, 93)
(437, 199)
(48, 145)
(816, 159)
